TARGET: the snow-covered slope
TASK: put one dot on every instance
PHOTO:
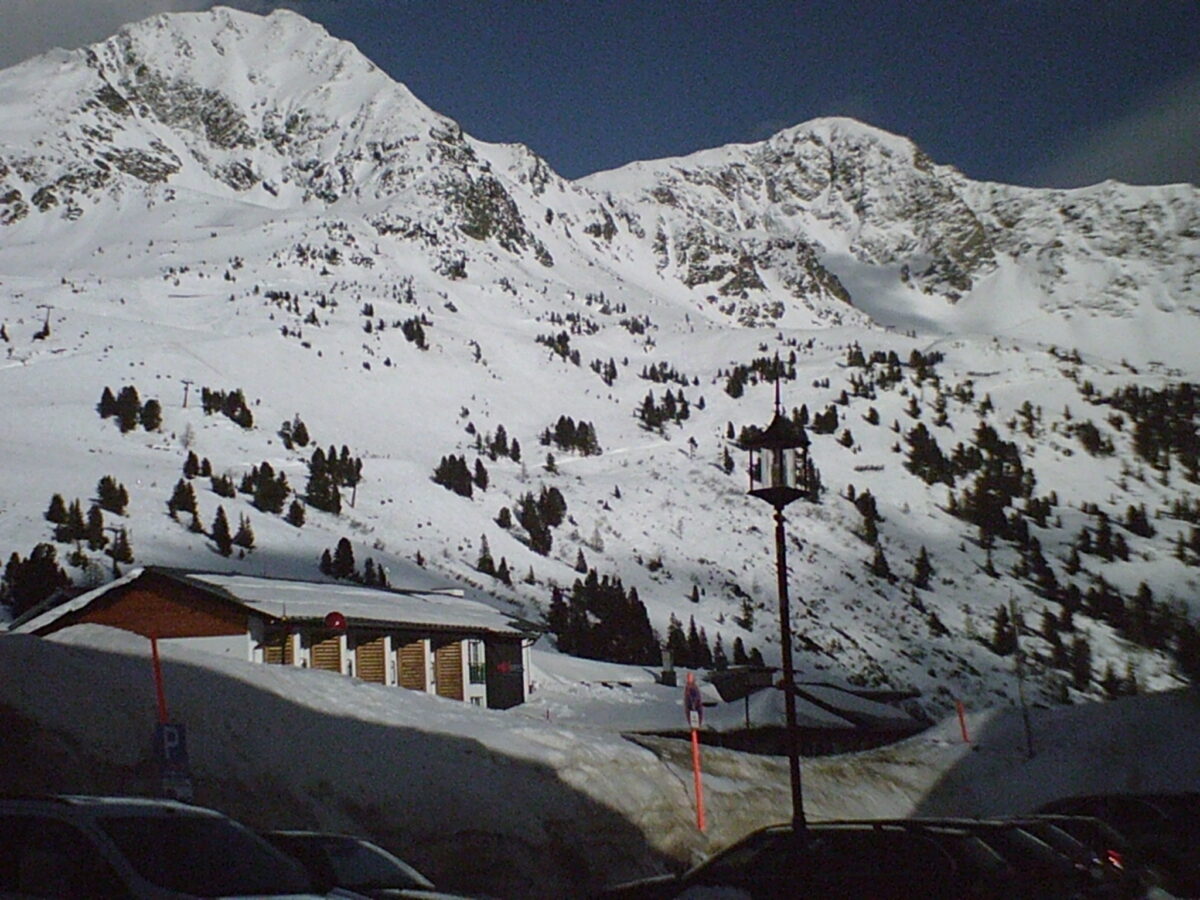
(227, 201)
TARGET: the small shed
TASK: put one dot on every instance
(432, 640)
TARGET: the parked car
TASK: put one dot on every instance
(1108, 851)
(1161, 828)
(1040, 861)
(124, 847)
(850, 861)
(353, 866)
(1048, 863)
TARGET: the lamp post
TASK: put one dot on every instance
(781, 473)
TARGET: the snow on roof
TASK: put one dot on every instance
(854, 705)
(310, 600)
(767, 708)
(313, 600)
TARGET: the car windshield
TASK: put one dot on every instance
(206, 856)
(354, 863)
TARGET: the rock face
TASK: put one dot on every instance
(795, 230)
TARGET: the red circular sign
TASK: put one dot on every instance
(335, 621)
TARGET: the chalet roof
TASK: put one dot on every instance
(310, 601)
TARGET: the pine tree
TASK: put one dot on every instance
(220, 533)
(121, 550)
(322, 489)
(581, 565)
(739, 652)
(706, 656)
(1081, 663)
(922, 570)
(481, 475)
(1004, 634)
(28, 582)
(343, 560)
(108, 403)
(183, 499)
(552, 506)
(502, 573)
(295, 514)
(485, 564)
(869, 532)
(74, 528)
(128, 408)
(245, 534)
(557, 620)
(677, 643)
(326, 564)
(695, 647)
(57, 511)
(879, 565)
(719, 660)
(151, 415)
(191, 465)
(94, 530)
(299, 432)
(111, 495)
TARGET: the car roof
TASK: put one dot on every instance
(106, 804)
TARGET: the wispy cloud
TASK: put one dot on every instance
(1157, 143)
(30, 27)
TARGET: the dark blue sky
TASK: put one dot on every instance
(1041, 92)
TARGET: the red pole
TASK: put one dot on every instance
(696, 776)
(962, 721)
(158, 681)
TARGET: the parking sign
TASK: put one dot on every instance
(170, 749)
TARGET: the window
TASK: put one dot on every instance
(202, 854)
(49, 858)
(476, 669)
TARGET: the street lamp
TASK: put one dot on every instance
(780, 473)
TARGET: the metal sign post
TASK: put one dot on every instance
(170, 741)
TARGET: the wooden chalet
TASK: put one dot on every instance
(433, 640)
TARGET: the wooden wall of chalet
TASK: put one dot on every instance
(154, 606)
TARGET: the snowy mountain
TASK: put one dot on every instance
(230, 202)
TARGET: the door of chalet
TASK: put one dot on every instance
(370, 663)
(411, 665)
(327, 654)
(447, 665)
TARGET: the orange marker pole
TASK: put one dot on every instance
(962, 721)
(693, 706)
(158, 682)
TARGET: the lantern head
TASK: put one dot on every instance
(779, 468)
